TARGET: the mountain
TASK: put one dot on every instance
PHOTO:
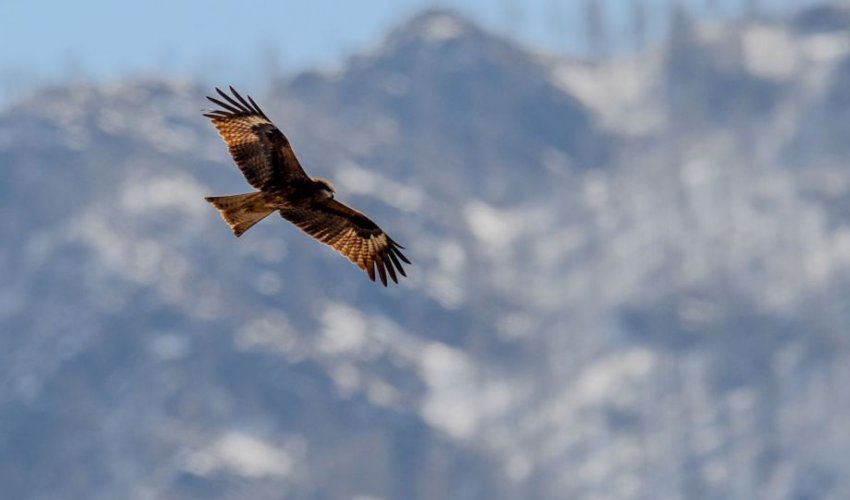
(630, 279)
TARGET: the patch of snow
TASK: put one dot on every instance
(618, 92)
(445, 282)
(360, 181)
(138, 261)
(770, 52)
(826, 47)
(441, 27)
(344, 330)
(612, 379)
(243, 455)
(493, 227)
(595, 190)
(270, 332)
(516, 325)
(164, 193)
(382, 394)
(560, 244)
(518, 468)
(451, 257)
(346, 377)
(446, 290)
(269, 283)
(451, 401)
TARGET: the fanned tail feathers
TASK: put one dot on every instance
(241, 211)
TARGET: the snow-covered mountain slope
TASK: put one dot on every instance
(629, 280)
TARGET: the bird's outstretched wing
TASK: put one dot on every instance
(259, 148)
(352, 234)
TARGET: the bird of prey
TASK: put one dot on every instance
(267, 161)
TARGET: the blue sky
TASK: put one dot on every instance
(50, 40)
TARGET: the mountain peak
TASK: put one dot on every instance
(438, 25)
(434, 27)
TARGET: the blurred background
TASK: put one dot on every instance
(629, 222)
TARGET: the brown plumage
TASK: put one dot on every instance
(268, 163)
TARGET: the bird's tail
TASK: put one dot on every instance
(241, 211)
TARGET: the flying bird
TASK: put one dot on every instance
(267, 161)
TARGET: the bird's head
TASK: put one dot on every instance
(325, 188)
